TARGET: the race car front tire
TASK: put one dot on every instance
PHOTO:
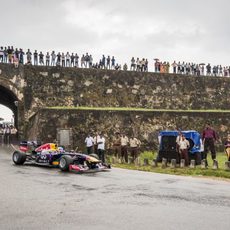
(65, 162)
(19, 158)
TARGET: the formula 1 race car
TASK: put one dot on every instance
(50, 155)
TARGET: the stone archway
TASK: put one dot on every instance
(12, 98)
(8, 99)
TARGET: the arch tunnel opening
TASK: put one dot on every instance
(6, 115)
(9, 100)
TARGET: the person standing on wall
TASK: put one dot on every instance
(101, 147)
(89, 144)
(209, 136)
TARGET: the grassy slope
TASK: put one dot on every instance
(221, 172)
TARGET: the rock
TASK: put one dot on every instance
(56, 75)
(164, 163)
(146, 162)
(143, 92)
(134, 91)
(109, 91)
(204, 164)
(215, 165)
(137, 161)
(45, 74)
(105, 77)
(154, 163)
(173, 164)
(192, 164)
(114, 160)
(130, 160)
(136, 86)
(182, 163)
(70, 83)
(227, 165)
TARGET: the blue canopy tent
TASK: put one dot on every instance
(168, 149)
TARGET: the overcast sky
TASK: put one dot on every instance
(192, 31)
(5, 113)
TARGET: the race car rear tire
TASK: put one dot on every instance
(65, 162)
(19, 158)
(94, 155)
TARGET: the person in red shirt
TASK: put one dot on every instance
(209, 136)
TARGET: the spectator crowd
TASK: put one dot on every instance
(8, 134)
(17, 56)
(120, 146)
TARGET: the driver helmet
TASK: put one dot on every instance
(60, 149)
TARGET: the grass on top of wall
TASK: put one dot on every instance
(134, 109)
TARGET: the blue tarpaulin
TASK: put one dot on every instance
(189, 134)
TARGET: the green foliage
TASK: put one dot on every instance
(147, 155)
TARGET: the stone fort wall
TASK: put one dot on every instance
(144, 125)
(52, 86)
(181, 102)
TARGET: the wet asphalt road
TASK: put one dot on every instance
(44, 198)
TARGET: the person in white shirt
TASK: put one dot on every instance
(67, 57)
(53, 58)
(178, 138)
(101, 148)
(134, 147)
(89, 144)
(47, 59)
(183, 147)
